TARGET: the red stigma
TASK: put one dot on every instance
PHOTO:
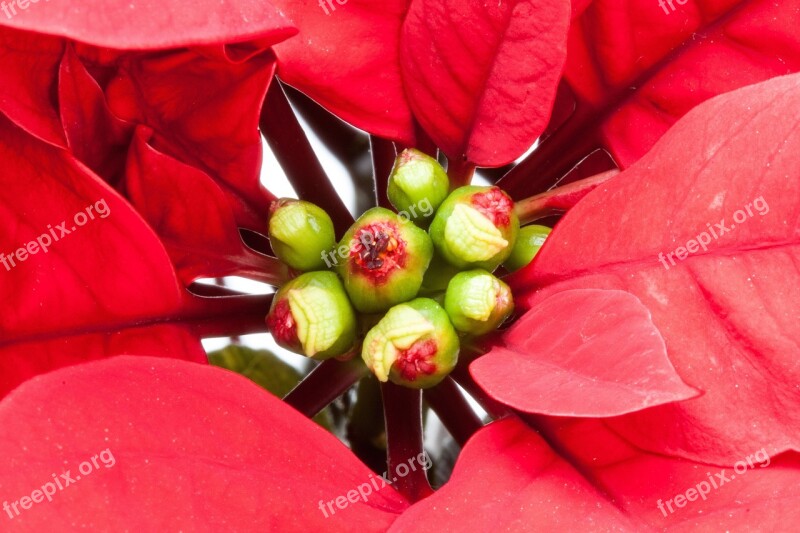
(417, 360)
(495, 205)
(377, 250)
(282, 325)
(406, 156)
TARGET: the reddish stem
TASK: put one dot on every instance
(559, 199)
(424, 142)
(259, 267)
(253, 265)
(226, 316)
(462, 376)
(453, 410)
(460, 172)
(287, 139)
(383, 156)
(329, 380)
(402, 408)
(554, 157)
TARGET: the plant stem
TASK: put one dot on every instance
(325, 383)
(366, 428)
(217, 314)
(402, 408)
(453, 410)
(287, 139)
(462, 376)
(258, 267)
(424, 143)
(383, 156)
(560, 199)
(460, 172)
(554, 157)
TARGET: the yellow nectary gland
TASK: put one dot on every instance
(472, 236)
(397, 331)
(479, 298)
(288, 222)
(317, 319)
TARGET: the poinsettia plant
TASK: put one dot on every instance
(645, 377)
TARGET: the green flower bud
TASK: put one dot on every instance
(477, 302)
(530, 240)
(312, 316)
(300, 233)
(414, 345)
(417, 186)
(385, 260)
(475, 227)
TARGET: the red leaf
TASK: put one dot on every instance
(93, 285)
(604, 358)
(508, 479)
(28, 71)
(193, 448)
(204, 112)
(348, 61)
(639, 67)
(94, 135)
(482, 77)
(728, 315)
(82, 265)
(191, 215)
(152, 24)
(24, 360)
(756, 492)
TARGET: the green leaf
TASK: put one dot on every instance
(265, 369)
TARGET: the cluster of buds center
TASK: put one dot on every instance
(439, 243)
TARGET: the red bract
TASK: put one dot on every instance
(193, 447)
(633, 70)
(153, 24)
(656, 340)
(28, 68)
(508, 478)
(64, 302)
(351, 67)
(483, 90)
(480, 79)
(734, 161)
(265, 467)
(186, 153)
(638, 67)
(605, 347)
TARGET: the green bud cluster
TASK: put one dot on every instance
(299, 232)
(529, 242)
(372, 280)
